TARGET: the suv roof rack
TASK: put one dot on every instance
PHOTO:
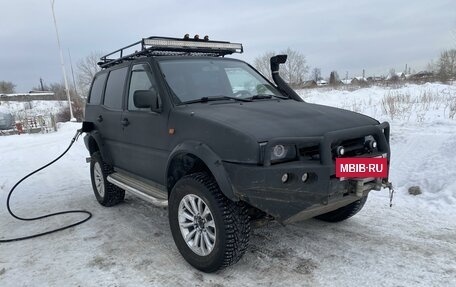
(162, 46)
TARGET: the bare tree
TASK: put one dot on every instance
(86, 70)
(432, 67)
(393, 77)
(447, 65)
(262, 64)
(293, 71)
(316, 74)
(7, 87)
(77, 102)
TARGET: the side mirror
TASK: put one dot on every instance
(146, 99)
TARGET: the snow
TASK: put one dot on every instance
(33, 108)
(411, 244)
(4, 110)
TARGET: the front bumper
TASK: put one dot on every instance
(262, 187)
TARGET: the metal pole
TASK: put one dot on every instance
(62, 63)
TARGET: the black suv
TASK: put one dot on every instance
(180, 125)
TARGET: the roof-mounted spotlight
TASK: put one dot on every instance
(206, 38)
(186, 36)
(196, 37)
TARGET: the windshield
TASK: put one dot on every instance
(193, 79)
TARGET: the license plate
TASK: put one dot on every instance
(361, 167)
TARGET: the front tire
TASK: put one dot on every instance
(210, 231)
(107, 194)
(343, 213)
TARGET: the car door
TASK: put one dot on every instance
(105, 111)
(109, 117)
(146, 135)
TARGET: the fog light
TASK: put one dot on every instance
(284, 177)
(371, 144)
(304, 177)
(340, 150)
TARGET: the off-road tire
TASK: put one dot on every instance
(343, 212)
(231, 220)
(112, 194)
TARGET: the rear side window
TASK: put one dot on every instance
(114, 88)
(97, 89)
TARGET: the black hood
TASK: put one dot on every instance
(268, 119)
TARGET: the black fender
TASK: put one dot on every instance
(94, 136)
(210, 159)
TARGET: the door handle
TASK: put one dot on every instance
(100, 119)
(125, 122)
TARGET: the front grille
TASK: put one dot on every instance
(353, 147)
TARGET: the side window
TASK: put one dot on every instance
(141, 79)
(114, 88)
(97, 89)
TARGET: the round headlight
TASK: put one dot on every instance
(278, 151)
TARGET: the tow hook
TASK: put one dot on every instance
(389, 185)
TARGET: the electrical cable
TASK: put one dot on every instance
(89, 215)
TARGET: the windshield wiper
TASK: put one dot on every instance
(266, 96)
(216, 98)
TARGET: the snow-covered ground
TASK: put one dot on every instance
(32, 108)
(411, 244)
(423, 134)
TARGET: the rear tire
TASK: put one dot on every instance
(343, 213)
(106, 193)
(222, 224)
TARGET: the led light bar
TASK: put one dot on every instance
(182, 44)
(154, 46)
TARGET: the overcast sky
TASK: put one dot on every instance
(333, 35)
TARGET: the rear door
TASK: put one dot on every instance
(146, 135)
(110, 114)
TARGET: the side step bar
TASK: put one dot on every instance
(139, 188)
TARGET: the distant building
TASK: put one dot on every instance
(359, 81)
(375, 79)
(322, 83)
(422, 76)
(309, 84)
(396, 76)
